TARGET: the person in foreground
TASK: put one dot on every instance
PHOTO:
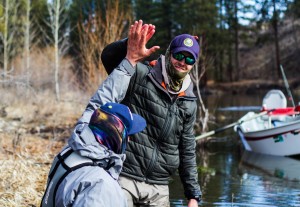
(86, 171)
(162, 93)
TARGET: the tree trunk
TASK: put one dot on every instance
(275, 27)
(27, 36)
(236, 41)
(5, 41)
(56, 50)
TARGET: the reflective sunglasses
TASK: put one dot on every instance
(115, 135)
(188, 60)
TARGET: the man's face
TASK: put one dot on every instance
(179, 61)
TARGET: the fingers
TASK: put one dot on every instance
(133, 28)
(138, 30)
(131, 32)
(151, 31)
(138, 27)
(152, 50)
(144, 33)
(138, 36)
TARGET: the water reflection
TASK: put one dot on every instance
(230, 177)
(281, 167)
(275, 180)
(235, 178)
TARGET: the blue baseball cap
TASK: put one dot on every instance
(134, 123)
(187, 43)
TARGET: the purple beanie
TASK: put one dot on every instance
(187, 43)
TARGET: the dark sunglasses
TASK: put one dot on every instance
(179, 56)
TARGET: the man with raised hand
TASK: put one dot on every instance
(162, 93)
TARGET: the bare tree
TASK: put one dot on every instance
(29, 35)
(59, 36)
(7, 34)
(95, 33)
(196, 74)
(27, 39)
(16, 38)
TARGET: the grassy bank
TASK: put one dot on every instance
(33, 129)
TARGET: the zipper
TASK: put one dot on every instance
(159, 86)
(164, 133)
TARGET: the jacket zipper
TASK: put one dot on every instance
(165, 132)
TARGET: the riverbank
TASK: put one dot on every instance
(249, 86)
(33, 129)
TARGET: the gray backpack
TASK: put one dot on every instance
(64, 163)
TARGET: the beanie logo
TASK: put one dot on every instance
(188, 42)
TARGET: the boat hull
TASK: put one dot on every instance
(280, 140)
(280, 145)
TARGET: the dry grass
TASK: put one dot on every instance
(32, 132)
(34, 127)
(24, 168)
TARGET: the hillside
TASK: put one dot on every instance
(257, 60)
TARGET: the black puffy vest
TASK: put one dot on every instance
(153, 154)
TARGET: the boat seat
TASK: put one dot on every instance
(274, 99)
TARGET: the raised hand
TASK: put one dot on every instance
(138, 37)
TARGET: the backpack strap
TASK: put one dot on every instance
(64, 163)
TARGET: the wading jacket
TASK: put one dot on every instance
(168, 142)
(84, 174)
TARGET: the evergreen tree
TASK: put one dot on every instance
(160, 14)
(200, 17)
(270, 13)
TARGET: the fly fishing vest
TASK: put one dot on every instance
(64, 163)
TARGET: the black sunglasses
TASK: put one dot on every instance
(179, 56)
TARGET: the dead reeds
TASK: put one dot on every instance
(24, 167)
(32, 132)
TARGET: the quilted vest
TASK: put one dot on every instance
(153, 155)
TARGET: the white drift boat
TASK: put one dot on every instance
(275, 132)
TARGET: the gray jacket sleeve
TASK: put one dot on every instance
(113, 89)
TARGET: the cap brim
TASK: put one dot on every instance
(138, 124)
(181, 49)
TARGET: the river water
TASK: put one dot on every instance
(229, 176)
